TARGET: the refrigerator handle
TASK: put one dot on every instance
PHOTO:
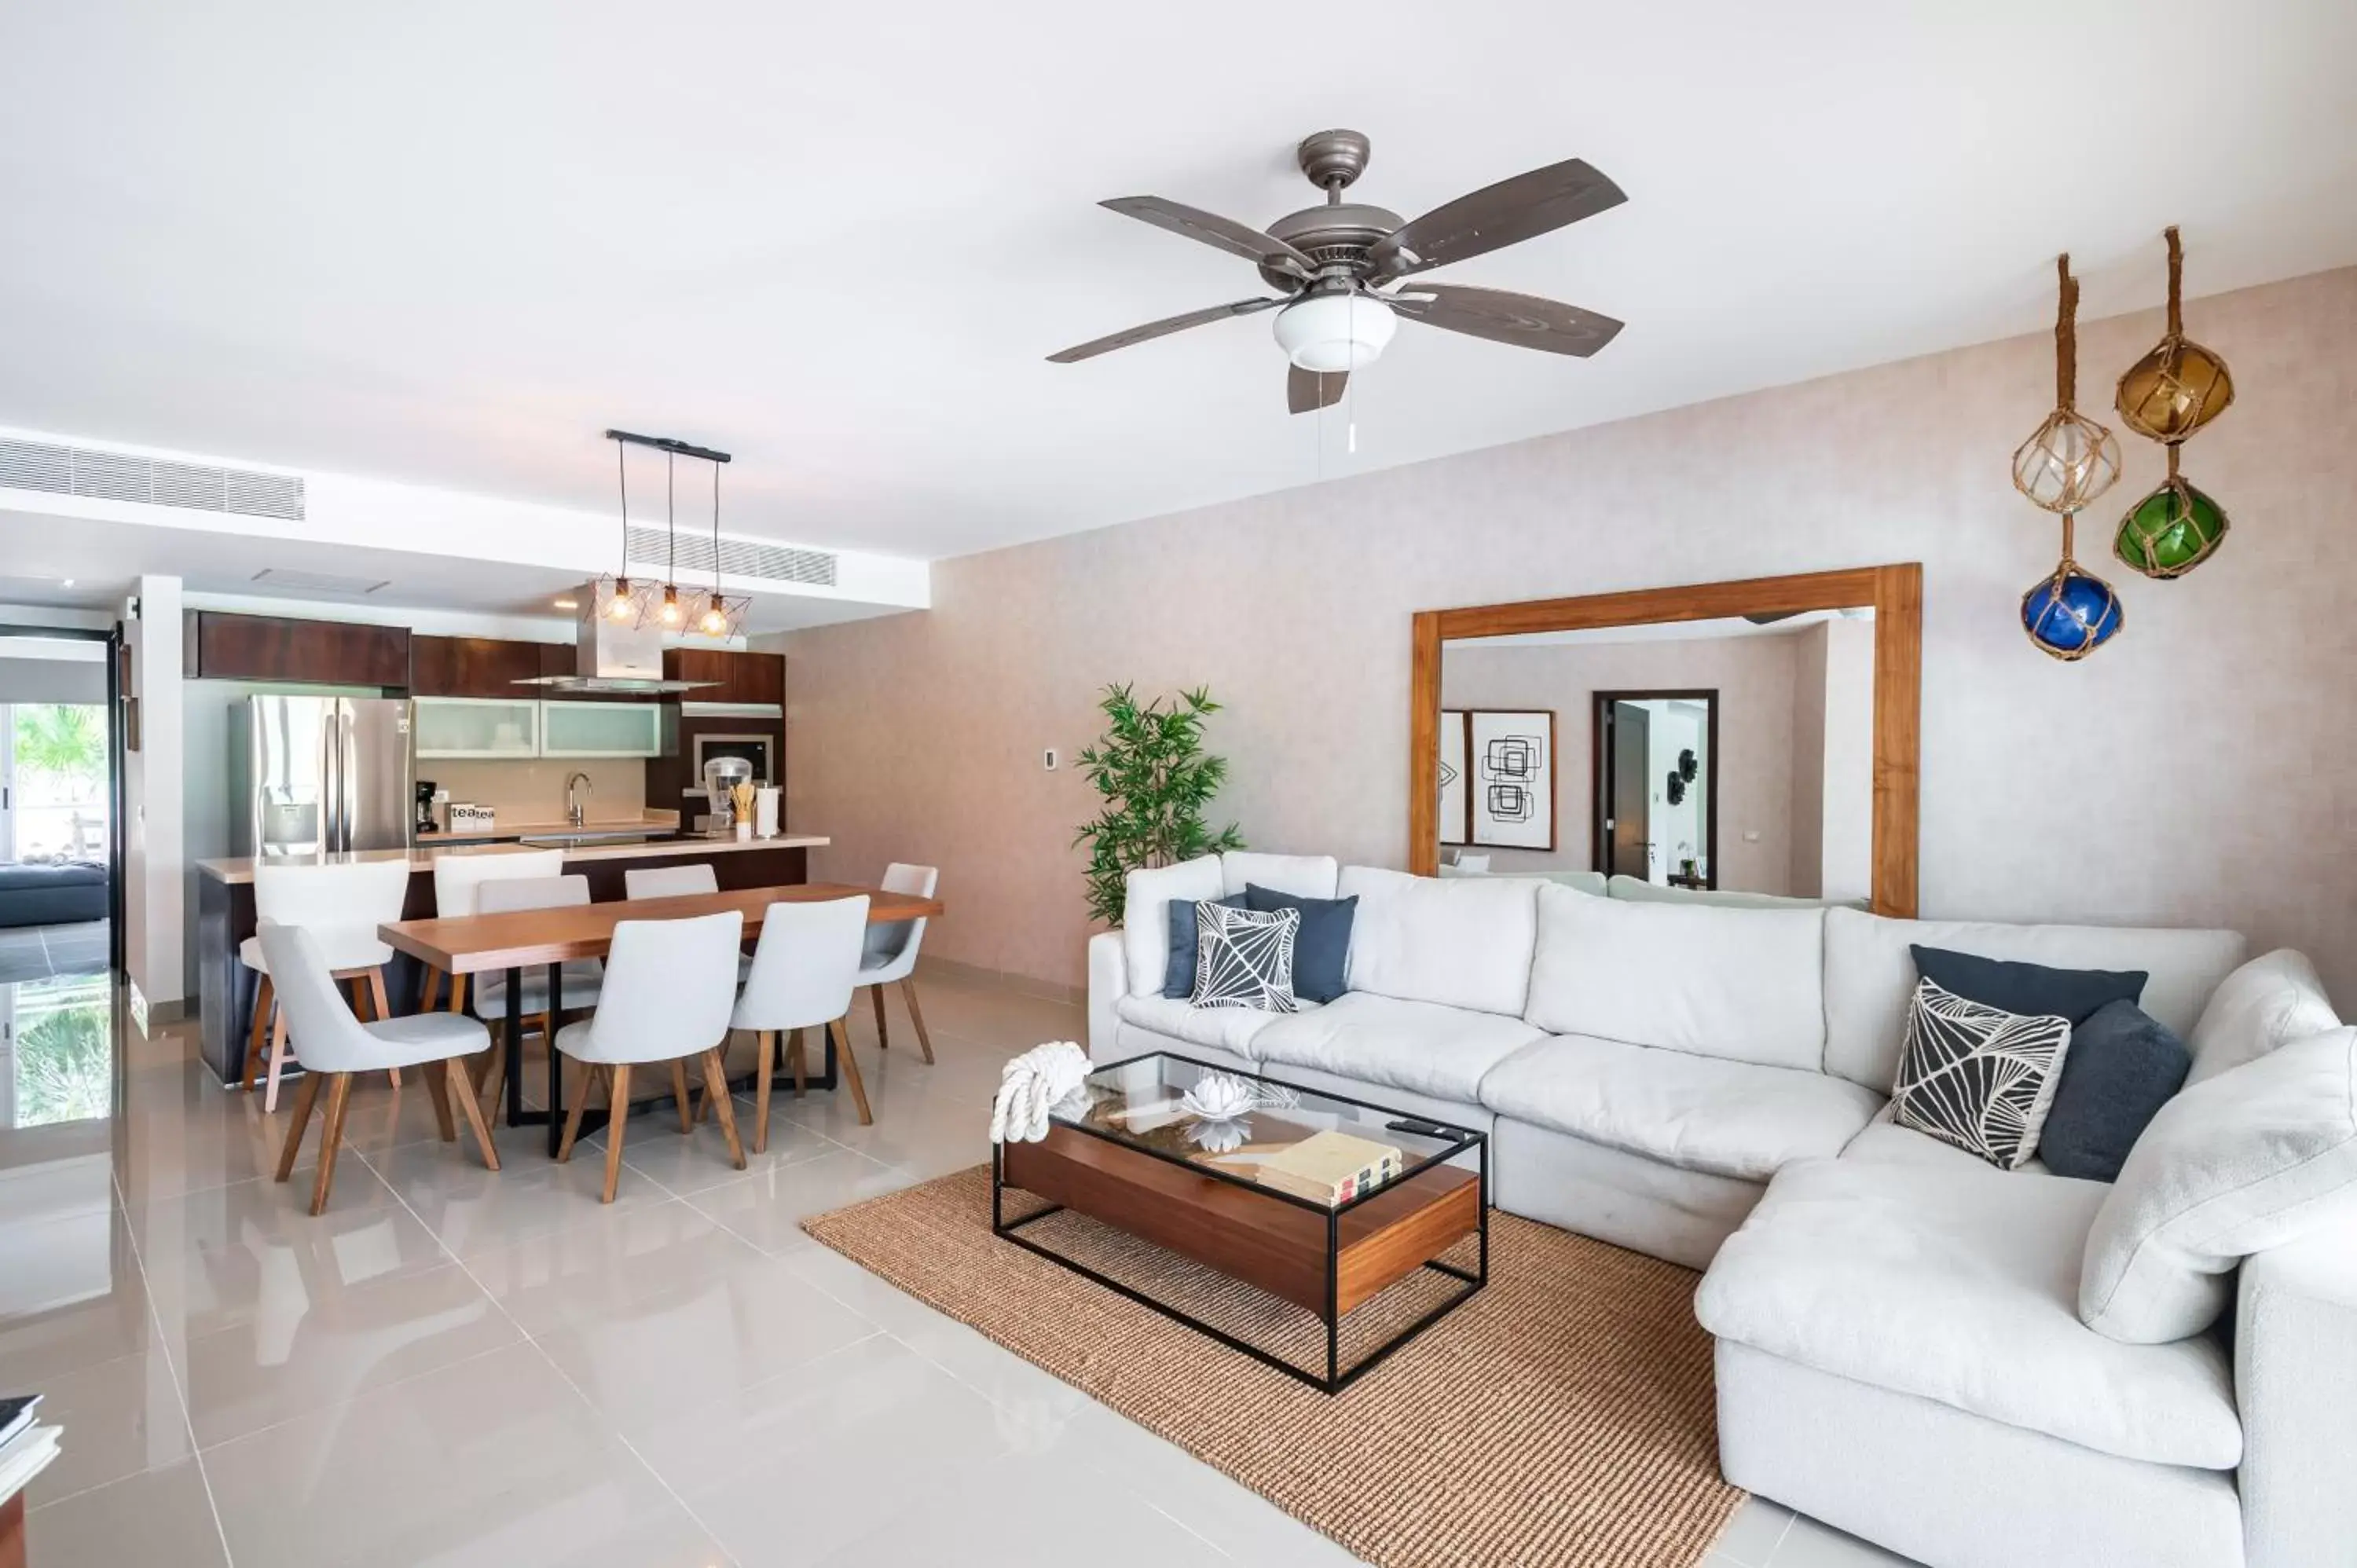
(347, 767)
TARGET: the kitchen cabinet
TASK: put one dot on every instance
(601, 729)
(477, 727)
(740, 677)
(221, 646)
(478, 666)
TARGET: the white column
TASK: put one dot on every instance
(154, 904)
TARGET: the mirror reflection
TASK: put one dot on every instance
(1689, 758)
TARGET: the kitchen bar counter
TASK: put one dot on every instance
(646, 822)
(240, 871)
(225, 915)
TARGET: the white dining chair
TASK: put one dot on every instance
(459, 879)
(336, 1043)
(341, 906)
(669, 881)
(582, 976)
(670, 986)
(890, 956)
(803, 969)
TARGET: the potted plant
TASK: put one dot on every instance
(1156, 781)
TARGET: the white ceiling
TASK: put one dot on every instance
(450, 243)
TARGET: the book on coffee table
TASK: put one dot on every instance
(1330, 1168)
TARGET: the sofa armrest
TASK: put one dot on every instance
(1108, 982)
(2295, 1382)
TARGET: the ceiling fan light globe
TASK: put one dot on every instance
(1327, 333)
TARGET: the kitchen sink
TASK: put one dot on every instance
(566, 840)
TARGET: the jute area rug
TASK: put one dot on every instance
(1565, 1415)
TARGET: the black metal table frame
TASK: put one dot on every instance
(1337, 1378)
(592, 1122)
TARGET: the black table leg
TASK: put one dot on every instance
(514, 1045)
(556, 1067)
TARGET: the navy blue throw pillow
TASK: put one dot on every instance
(2121, 1068)
(1178, 975)
(2027, 988)
(1321, 952)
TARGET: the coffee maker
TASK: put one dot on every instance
(426, 822)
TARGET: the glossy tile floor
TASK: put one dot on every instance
(457, 1368)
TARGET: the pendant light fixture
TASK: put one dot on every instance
(723, 616)
(623, 601)
(671, 613)
(617, 599)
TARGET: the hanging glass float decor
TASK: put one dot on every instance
(2070, 459)
(2074, 612)
(2169, 394)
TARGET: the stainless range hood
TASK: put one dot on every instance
(614, 659)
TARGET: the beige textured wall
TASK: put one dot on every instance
(2181, 776)
(1754, 679)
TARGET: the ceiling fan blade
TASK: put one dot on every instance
(1495, 216)
(1505, 318)
(1306, 391)
(1225, 234)
(1169, 324)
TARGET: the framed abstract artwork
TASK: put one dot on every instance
(1511, 777)
(1456, 800)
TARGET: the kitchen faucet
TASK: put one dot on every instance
(573, 806)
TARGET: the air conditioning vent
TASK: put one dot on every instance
(112, 475)
(738, 558)
(318, 582)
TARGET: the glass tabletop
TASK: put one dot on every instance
(1317, 1149)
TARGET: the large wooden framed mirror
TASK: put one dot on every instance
(1755, 736)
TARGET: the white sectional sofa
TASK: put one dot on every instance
(1898, 1347)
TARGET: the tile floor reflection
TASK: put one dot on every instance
(460, 1368)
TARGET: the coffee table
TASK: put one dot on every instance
(1131, 1157)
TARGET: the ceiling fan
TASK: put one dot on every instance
(1340, 267)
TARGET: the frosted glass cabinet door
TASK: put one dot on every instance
(601, 729)
(477, 726)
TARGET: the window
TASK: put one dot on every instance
(53, 794)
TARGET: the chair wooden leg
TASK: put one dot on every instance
(433, 992)
(916, 1016)
(331, 1139)
(765, 1064)
(263, 997)
(358, 989)
(304, 1098)
(572, 1116)
(495, 1074)
(883, 1039)
(679, 1096)
(715, 1087)
(440, 1085)
(617, 1116)
(458, 993)
(457, 1076)
(850, 1064)
(801, 1063)
(385, 1010)
(278, 1061)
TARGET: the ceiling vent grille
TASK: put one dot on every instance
(738, 558)
(113, 476)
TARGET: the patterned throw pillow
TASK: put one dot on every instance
(1978, 1076)
(1244, 958)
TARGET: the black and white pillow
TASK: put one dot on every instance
(1244, 958)
(1978, 1076)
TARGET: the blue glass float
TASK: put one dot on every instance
(2071, 614)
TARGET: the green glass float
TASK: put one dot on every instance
(2172, 530)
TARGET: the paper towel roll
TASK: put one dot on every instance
(765, 812)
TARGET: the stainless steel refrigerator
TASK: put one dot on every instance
(313, 775)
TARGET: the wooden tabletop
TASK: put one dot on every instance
(470, 944)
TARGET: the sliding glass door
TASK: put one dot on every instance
(53, 798)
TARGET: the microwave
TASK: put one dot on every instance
(759, 750)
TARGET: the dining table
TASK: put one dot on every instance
(523, 938)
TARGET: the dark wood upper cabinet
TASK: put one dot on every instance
(740, 677)
(478, 666)
(274, 647)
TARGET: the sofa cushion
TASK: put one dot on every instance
(1462, 943)
(1229, 1028)
(1956, 1284)
(1592, 881)
(2274, 999)
(1303, 875)
(1886, 1140)
(1244, 958)
(2032, 990)
(1870, 977)
(1146, 917)
(2123, 1068)
(1178, 979)
(1418, 1046)
(1978, 1076)
(1736, 983)
(1637, 890)
(1730, 1119)
(1321, 954)
(2252, 1159)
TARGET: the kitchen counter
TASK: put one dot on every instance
(240, 871)
(646, 823)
